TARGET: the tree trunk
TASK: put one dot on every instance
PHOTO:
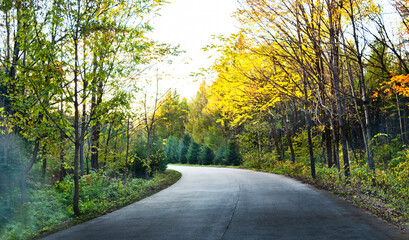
(278, 148)
(402, 135)
(368, 136)
(95, 146)
(127, 149)
(83, 130)
(328, 146)
(335, 139)
(310, 145)
(107, 141)
(334, 42)
(405, 118)
(148, 152)
(77, 138)
(44, 169)
(290, 144)
(62, 135)
(27, 170)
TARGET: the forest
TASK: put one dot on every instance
(316, 90)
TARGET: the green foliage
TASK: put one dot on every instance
(232, 155)
(172, 116)
(184, 147)
(49, 207)
(172, 147)
(192, 155)
(44, 211)
(206, 155)
(220, 157)
(158, 160)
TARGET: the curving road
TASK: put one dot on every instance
(220, 203)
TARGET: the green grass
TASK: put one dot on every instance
(50, 208)
(199, 165)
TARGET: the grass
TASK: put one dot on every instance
(199, 165)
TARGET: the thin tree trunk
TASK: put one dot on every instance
(83, 129)
(334, 38)
(77, 138)
(62, 135)
(115, 145)
(95, 146)
(400, 120)
(127, 149)
(278, 149)
(336, 142)
(107, 142)
(27, 170)
(259, 142)
(405, 120)
(367, 138)
(290, 144)
(364, 128)
(44, 169)
(148, 152)
(328, 146)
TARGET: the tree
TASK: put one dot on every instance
(172, 147)
(193, 152)
(172, 116)
(206, 155)
(184, 147)
(232, 155)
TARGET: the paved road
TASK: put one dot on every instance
(218, 203)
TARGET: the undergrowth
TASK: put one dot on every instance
(50, 207)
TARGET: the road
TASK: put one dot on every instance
(221, 203)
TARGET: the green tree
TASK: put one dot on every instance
(184, 147)
(172, 116)
(192, 155)
(233, 154)
(172, 148)
(206, 155)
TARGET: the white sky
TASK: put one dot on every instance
(190, 24)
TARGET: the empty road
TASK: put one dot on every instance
(220, 203)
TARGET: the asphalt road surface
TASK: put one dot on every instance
(220, 203)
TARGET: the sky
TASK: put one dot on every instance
(191, 24)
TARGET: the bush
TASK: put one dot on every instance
(157, 157)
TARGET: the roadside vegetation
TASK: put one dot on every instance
(50, 207)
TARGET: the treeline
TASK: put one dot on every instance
(187, 151)
(190, 135)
